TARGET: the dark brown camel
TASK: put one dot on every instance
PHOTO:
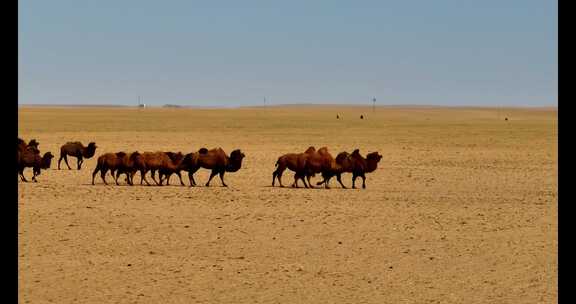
(216, 160)
(108, 161)
(78, 150)
(190, 164)
(295, 162)
(177, 159)
(30, 148)
(29, 158)
(155, 161)
(355, 164)
(129, 164)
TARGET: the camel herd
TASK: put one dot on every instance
(304, 165)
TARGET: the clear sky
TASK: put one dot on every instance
(229, 53)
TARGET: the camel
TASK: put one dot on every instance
(155, 161)
(295, 162)
(216, 160)
(78, 150)
(131, 164)
(108, 161)
(29, 158)
(320, 161)
(190, 164)
(176, 158)
(355, 164)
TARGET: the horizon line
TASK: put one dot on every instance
(175, 106)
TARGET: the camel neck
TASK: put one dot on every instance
(371, 166)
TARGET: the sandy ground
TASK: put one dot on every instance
(462, 209)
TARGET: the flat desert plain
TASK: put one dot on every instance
(462, 209)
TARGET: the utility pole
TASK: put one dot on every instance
(374, 105)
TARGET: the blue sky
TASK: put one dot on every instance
(229, 53)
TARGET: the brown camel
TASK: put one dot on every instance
(108, 161)
(130, 164)
(154, 161)
(355, 164)
(176, 159)
(32, 145)
(216, 160)
(190, 164)
(78, 150)
(295, 162)
(29, 158)
(320, 161)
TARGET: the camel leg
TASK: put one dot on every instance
(22, 177)
(295, 183)
(279, 177)
(339, 178)
(34, 175)
(60, 160)
(308, 176)
(103, 175)
(143, 177)
(354, 176)
(94, 173)
(180, 177)
(363, 181)
(322, 181)
(66, 161)
(307, 185)
(116, 177)
(168, 179)
(154, 177)
(326, 182)
(214, 172)
(131, 178)
(80, 160)
(222, 178)
(191, 179)
(273, 177)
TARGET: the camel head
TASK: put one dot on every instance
(90, 150)
(372, 159)
(46, 160)
(235, 161)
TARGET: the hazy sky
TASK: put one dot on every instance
(226, 53)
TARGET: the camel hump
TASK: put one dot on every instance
(120, 154)
(341, 156)
(134, 155)
(203, 151)
(73, 143)
(310, 149)
(356, 152)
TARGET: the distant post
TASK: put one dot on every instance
(373, 105)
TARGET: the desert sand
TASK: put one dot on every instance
(462, 209)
